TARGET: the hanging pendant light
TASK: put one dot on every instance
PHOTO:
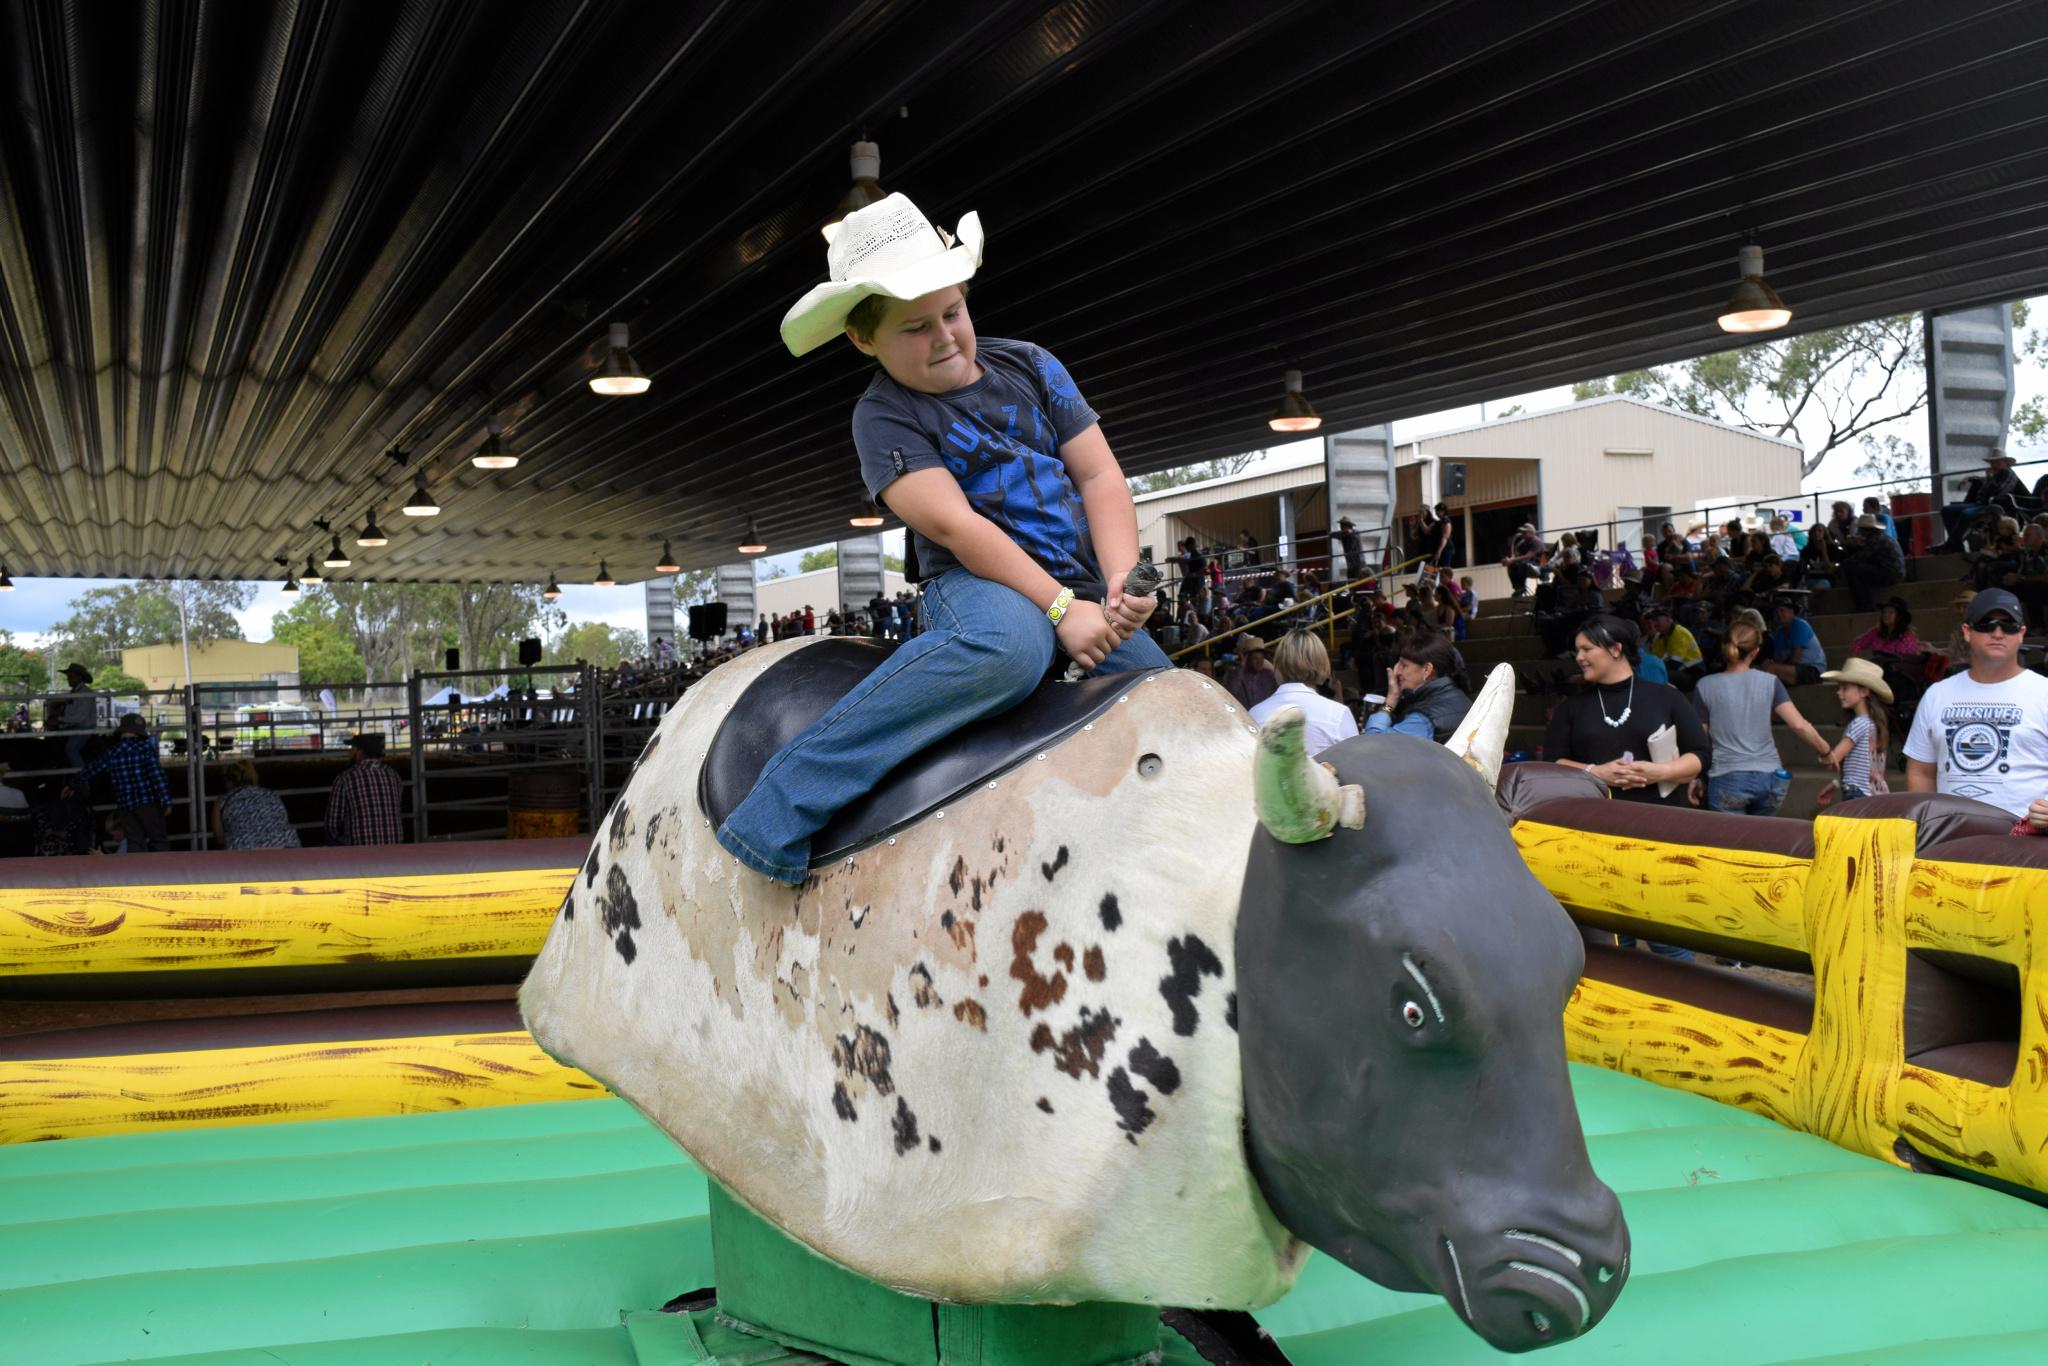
(1295, 413)
(868, 516)
(6, 583)
(371, 534)
(604, 577)
(494, 454)
(290, 584)
(335, 559)
(422, 503)
(752, 545)
(866, 164)
(668, 563)
(553, 590)
(309, 575)
(1754, 306)
(620, 374)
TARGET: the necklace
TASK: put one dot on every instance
(1618, 721)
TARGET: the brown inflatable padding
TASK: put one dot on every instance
(2006, 851)
(1678, 825)
(1722, 990)
(1599, 926)
(293, 865)
(1992, 1063)
(425, 1020)
(361, 975)
(1941, 819)
(1527, 785)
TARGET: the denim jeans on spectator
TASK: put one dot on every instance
(983, 648)
(1747, 794)
(1628, 941)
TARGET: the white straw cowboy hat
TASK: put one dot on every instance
(888, 249)
(1864, 674)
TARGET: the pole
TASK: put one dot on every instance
(419, 759)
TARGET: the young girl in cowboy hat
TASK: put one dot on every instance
(1859, 753)
(1020, 520)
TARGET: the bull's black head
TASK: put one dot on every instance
(1400, 982)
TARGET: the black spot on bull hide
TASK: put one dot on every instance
(568, 910)
(1190, 960)
(865, 1054)
(621, 913)
(842, 1104)
(653, 827)
(1230, 1011)
(1133, 1115)
(590, 868)
(905, 1125)
(1155, 1067)
(1112, 915)
(621, 829)
(1059, 861)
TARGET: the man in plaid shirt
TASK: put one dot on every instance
(139, 788)
(363, 806)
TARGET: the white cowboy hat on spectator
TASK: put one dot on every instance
(889, 249)
(1864, 674)
(1998, 456)
(1868, 523)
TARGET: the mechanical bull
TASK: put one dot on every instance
(1099, 1026)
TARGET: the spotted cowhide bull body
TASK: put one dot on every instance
(992, 1058)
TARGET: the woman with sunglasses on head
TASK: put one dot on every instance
(1607, 728)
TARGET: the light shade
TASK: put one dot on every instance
(1754, 306)
(290, 584)
(371, 534)
(553, 590)
(868, 516)
(1295, 413)
(752, 545)
(668, 563)
(604, 577)
(494, 454)
(6, 583)
(309, 574)
(335, 559)
(422, 503)
(620, 374)
(866, 165)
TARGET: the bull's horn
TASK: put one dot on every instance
(1299, 800)
(1482, 737)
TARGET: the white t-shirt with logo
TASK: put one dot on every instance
(1988, 741)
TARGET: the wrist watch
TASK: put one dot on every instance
(1059, 606)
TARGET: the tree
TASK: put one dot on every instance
(1898, 464)
(696, 585)
(106, 621)
(1192, 474)
(327, 654)
(595, 642)
(2030, 419)
(110, 679)
(22, 670)
(1844, 381)
(827, 557)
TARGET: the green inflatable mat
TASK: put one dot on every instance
(547, 1234)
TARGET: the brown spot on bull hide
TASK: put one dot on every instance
(961, 932)
(967, 1010)
(1080, 1049)
(1092, 965)
(864, 1054)
(1064, 955)
(983, 979)
(921, 993)
(1039, 992)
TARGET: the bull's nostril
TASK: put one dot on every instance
(1606, 1274)
(1540, 1321)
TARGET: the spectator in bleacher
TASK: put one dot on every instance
(364, 805)
(1984, 733)
(1997, 555)
(1607, 727)
(1781, 541)
(1771, 576)
(2028, 580)
(251, 816)
(1251, 680)
(1424, 696)
(1860, 756)
(1576, 600)
(137, 775)
(1892, 638)
(1672, 550)
(1355, 567)
(1737, 705)
(1997, 488)
(1796, 654)
(1302, 664)
(1872, 507)
(1841, 523)
(1524, 560)
(1248, 550)
(1817, 567)
(1873, 561)
(1671, 642)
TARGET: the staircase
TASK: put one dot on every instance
(1503, 633)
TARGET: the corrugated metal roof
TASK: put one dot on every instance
(244, 250)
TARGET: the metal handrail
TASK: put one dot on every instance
(1325, 596)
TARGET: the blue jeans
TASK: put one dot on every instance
(1747, 794)
(983, 648)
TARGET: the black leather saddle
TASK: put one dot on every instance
(795, 691)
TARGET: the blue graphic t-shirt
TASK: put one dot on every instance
(1000, 438)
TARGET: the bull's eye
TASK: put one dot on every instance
(1412, 1015)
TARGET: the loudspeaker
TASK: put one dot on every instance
(454, 659)
(529, 650)
(707, 620)
(1454, 477)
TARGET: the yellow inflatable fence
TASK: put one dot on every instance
(1923, 1038)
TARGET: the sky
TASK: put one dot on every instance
(29, 611)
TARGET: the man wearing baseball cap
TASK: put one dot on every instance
(1984, 733)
